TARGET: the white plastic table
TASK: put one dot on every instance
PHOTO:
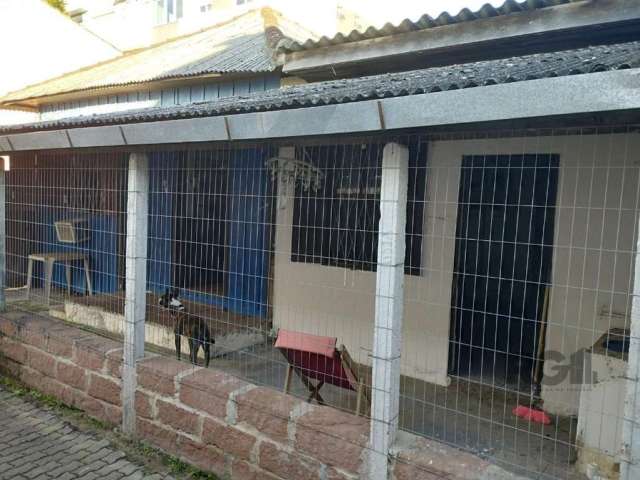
(49, 259)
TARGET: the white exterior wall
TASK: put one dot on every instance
(597, 198)
(337, 302)
(12, 117)
(595, 237)
(39, 43)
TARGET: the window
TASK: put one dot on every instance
(168, 11)
(206, 7)
(337, 225)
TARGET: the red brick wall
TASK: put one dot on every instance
(206, 417)
(221, 423)
(62, 361)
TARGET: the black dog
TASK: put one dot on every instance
(195, 328)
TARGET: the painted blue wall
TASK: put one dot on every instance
(248, 236)
(101, 247)
(248, 231)
(159, 248)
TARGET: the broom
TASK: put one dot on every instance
(534, 412)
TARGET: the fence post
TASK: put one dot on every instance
(630, 464)
(3, 237)
(387, 338)
(135, 285)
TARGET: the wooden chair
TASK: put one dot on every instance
(313, 357)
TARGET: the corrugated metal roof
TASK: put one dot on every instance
(477, 74)
(240, 45)
(425, 22)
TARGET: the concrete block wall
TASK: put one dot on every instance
(208, 418)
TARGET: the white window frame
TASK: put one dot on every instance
(169, 11)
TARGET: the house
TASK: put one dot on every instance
(522, 39)
(46, 59)
(515, 131)
(232, 58)
(228, 60)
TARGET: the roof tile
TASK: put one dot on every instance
(239, 45)
(423, 23)
(471, 75)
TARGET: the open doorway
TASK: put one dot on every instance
(200, 226)
(504, 247)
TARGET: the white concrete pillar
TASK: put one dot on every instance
(630, 455)
(135, 284)
(3, 238)
(387, 341)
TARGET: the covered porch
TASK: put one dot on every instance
(468, 265)
(306, 260)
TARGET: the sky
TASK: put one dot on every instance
(383, 10)
(397, 10)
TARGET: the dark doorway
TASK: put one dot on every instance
(200, 225)
(504, 247)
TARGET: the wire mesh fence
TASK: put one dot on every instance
(526, 293)
(66, 219)
(262, 259)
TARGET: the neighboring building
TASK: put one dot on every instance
(132, 24)
(450, 46)
(58, 47)
(234, 58)
(518, 132)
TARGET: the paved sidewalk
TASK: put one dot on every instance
(37, 444)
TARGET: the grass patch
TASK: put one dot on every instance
(174, 464)
(43, 399)
(13, 386)
(97, 424)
